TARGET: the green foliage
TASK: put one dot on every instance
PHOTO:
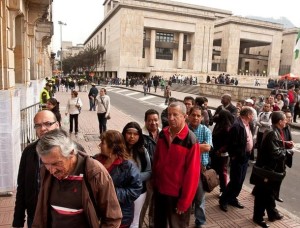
(86, 60)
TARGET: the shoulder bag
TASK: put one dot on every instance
(108, 116)
(210, 179)
(78, 106)
(263, 174)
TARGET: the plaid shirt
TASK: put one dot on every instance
(203, 134)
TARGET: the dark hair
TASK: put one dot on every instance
(55, 109)
(103, 90)
(189, 98)
(116, 142)
(199, 101)
(276, 116)
(194, 108)
(75, 93)
(246, 111)
(139, 146)
(150, 112)
(224, 121)
(55, 103)
(172, 99)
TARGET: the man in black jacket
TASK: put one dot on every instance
(239, 148)
(28, 176)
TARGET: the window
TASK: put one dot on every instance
(184, 55)
(165, 37)
(185, 39)
(164, 53)
(143, 54)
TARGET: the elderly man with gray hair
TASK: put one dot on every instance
(76, 189)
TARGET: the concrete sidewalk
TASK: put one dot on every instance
(89, 137)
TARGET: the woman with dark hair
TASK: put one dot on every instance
(134, 141)
(53, 106)
(124, 173)
(219, 155)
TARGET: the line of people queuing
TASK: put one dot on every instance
(145, 168)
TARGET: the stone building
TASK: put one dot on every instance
(26, 29)
(145, 38)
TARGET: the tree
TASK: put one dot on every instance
(86, 60)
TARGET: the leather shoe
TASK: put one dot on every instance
(223, 207)
(279, 200)
(261, 223)
(237, 204)
(276, 217)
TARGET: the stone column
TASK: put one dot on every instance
(230, 47)
(152, 48)
(180, 51)
(274, 56)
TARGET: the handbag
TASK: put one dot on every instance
(108, 116)
(210, 179)
(266, 175)
(78, 106)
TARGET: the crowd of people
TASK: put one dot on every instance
(151, 169)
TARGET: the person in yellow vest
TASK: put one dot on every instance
(45, 95)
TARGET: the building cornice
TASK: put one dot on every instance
(130, 5)
(247, 21)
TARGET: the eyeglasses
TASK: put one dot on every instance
(46, 124)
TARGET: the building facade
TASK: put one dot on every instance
(154, 37)
(25, 59)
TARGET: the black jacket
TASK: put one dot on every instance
(27, 190)
(274, 152)
(237, 141)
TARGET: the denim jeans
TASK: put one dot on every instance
(199, 202)
(92, 104)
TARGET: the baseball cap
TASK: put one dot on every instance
(249, 101)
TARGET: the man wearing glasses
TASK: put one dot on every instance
(28, 177)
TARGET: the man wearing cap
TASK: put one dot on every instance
(92, 95)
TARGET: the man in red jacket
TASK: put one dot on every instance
(176, 170)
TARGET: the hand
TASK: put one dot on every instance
(66, 113)
(179, 212)
(289, 144)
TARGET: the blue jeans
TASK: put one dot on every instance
(199, 202)
(92, 104)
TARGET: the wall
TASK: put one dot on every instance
(237, 92)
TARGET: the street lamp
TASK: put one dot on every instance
(61, 24)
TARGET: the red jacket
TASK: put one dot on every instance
(176, 167)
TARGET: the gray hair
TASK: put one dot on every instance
(179, 104)
(56, 138)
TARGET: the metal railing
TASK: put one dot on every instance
(28, 134)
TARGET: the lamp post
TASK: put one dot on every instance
(61, 24)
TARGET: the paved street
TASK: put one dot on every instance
(89, 137)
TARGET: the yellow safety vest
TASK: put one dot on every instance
(47, 95)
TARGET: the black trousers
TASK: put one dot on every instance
(264, 200)
(75, 118)
(165, 212)
(238, 170)
(102, 122)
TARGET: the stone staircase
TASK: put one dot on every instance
(191, 89)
